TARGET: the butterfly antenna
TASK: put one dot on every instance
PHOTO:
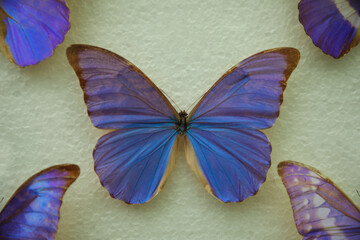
(172, 101)
(358, 192)
(195, 102)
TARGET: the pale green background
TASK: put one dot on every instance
(184, 47)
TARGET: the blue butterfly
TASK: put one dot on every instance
(223, 144)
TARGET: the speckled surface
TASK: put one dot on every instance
(184, 47)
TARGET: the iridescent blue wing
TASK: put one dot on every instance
(132, 163)
(31, 29)
(332, 24)
(33, 210)
(227, 152)
(321, 209)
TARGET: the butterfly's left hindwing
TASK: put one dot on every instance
(134, 164)
(231, 157)
(321, 210)
(33, 210)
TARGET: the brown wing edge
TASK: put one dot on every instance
(353, 43)
(72, 54)
(292, 57)
(72, 168)
(284, 164)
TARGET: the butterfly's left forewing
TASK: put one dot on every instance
(224, 147)
(33, 211)
(321, 209)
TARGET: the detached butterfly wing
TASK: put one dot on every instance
(33, 210)
(31, 29)
(321, 210)
(333, 25)
(224, 146)
(134, 161)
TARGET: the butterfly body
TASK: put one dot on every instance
(182, 124)
(223, 143)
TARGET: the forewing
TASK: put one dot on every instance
(230, 163)
(134, 164)
(32, 29)
(33, 210)
(321, 209)
(332, 24)
(249, 95)
(117, 94)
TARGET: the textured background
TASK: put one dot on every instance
(184, 47)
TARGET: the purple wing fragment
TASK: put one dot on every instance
(332, 24)
(321, 209)
(34, 28)
(33, 210)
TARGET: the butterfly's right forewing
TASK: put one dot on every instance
(321, 210)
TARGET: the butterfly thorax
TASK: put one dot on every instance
(181, 125)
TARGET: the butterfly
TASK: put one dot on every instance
(332, 24)
(321, 209)
(33, 211)
(30, 30)
(223, 144)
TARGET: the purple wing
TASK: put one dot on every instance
(33, 210)
(321, 209)
(133, 163)
(32, 29)
(332, 24)
(245, 99)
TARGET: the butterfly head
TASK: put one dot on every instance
(181, 125)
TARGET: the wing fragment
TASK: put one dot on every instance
(332, 24)
(321, 209)
(33, 210)
(32, 29)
